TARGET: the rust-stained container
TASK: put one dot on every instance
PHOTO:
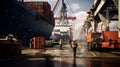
(39, 42)
(43, 9)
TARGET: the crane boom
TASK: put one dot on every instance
(104, 22)
(55, 5)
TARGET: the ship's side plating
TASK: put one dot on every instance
(24, 22)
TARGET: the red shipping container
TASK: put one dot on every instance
(39, 42)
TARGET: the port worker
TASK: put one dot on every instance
(9, 37)
(60, 43)
(31, 43)
(74, 46)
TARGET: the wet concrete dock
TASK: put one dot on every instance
(55, 57)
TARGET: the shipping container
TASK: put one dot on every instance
(42, 8)
(39, 42)
(39, 5)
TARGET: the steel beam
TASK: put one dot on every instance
(116, 3)
(102, 2)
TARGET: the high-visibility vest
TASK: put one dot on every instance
(9, 38)
(74, 44)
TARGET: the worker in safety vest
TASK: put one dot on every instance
(9, 37)
(74, 46)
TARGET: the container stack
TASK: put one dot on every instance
(43, 9)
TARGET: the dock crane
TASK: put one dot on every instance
(63, 12)
(63, 22)
(105, 40)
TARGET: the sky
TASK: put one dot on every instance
(78, 8)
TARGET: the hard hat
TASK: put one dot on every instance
(73, 39)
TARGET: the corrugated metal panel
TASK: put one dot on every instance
(42, 9)
(39, 42)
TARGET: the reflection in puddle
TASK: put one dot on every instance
(74, 63)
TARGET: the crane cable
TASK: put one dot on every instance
(70, 8)
(55, 11)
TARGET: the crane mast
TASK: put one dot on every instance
(63, 12)
(64, 30)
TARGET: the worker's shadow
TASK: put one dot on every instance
(74, 63)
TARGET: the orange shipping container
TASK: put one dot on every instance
(39, 42)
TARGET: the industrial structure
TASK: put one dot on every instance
(26, 19)
(31, 35)
(62, 30)
(104, 11)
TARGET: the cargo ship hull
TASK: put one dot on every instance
(23, 22)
